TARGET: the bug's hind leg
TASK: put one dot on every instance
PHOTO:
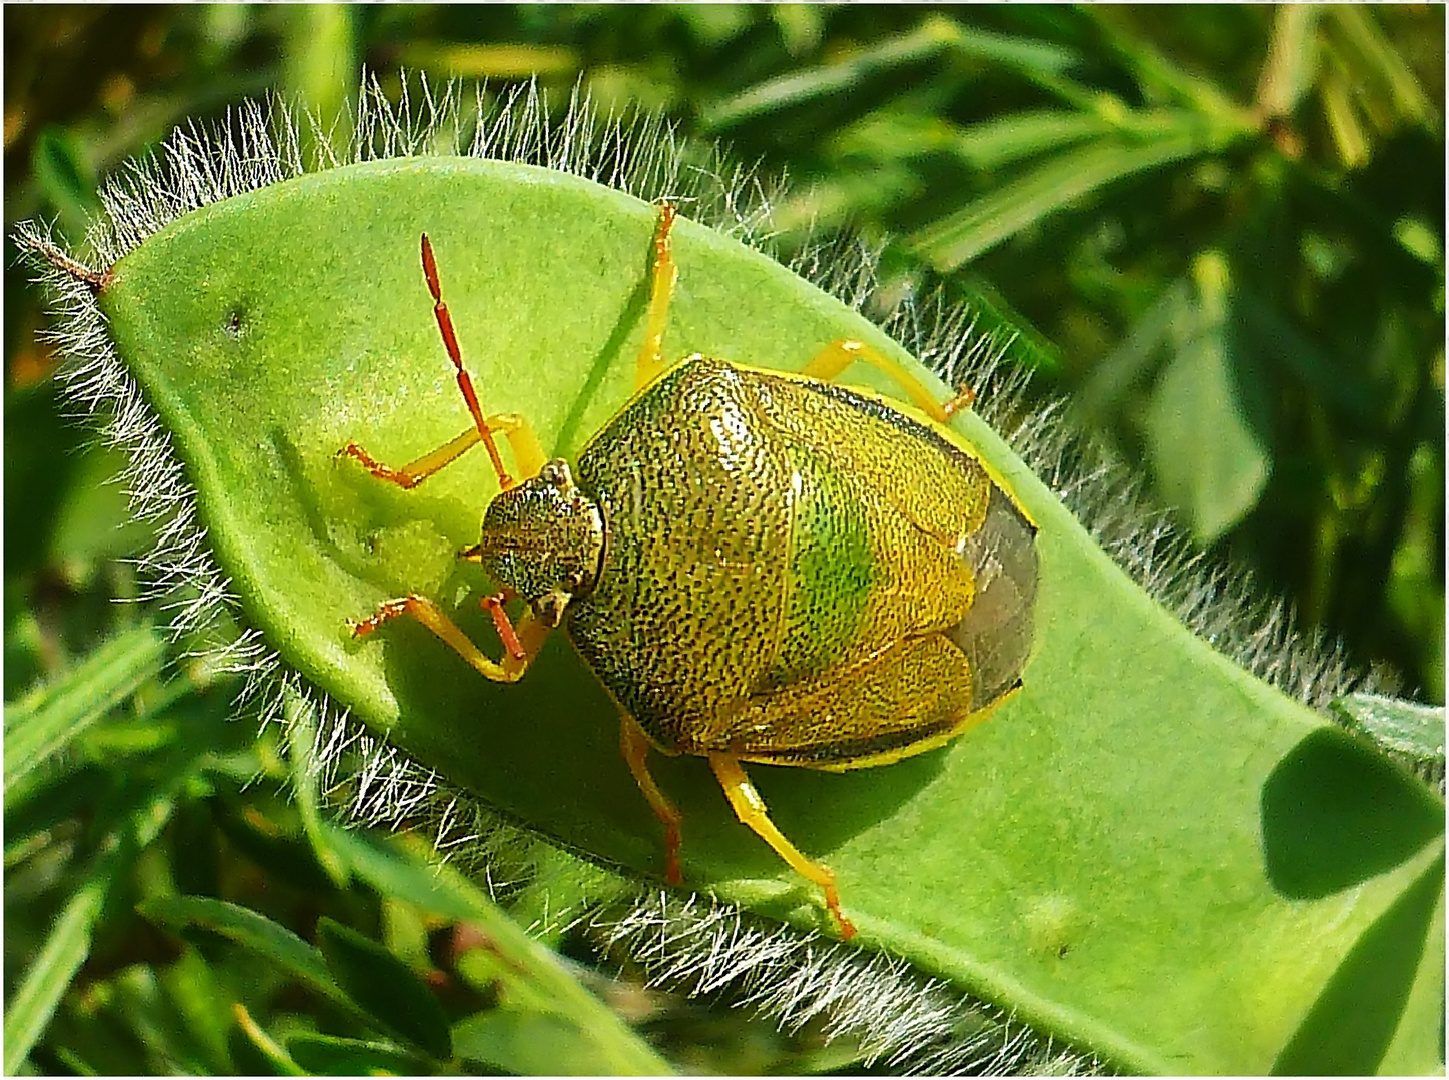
(830, 362)
(635, 747)
(650, 362)
(750, 808)
(522, 643)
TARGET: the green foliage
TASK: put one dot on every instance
(255, 349)
(218, 992)
(1297, 154)
(1414, 732)
(36, 729)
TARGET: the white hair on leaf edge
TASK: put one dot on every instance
(895, 1015)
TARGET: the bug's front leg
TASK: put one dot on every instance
(521, 642)
(749, 807)
(528, 452)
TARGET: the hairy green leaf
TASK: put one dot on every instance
(1416, 731)
(1126, 856)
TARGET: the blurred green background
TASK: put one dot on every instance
(1211, 227)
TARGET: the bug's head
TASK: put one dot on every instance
(543, 539)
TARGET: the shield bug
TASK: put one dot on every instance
(760, 566)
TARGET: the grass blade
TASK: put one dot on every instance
(527, 970)
(34, 1002)
(787, 91)
(982, 224)
(935, 35)
(250, 930)
(46, 724)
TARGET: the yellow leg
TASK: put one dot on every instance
(650, 363)
(530, 635)
(750, 808)
(830, 362)
(527, 452)
(635, 747)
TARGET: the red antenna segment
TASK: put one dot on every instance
(465, 384)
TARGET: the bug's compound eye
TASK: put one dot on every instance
(556, 472)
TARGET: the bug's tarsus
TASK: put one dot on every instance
(385, 613)
(465, 384)
(964, 399)
(404, 478)
(667, 212)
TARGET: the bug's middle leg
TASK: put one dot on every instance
(830, 362)
(635, 746)
(750, 808)
(521, 643)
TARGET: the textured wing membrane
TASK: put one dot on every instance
(996, 634)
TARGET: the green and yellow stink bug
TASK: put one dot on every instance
(759, 566)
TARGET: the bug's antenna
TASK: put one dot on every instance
(465, 384)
